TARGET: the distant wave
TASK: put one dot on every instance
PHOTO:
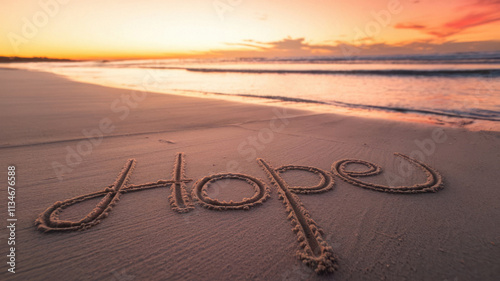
(476, 114)
(390, 72)
(454, 58)
(468, 57)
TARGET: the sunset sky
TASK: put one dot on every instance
(115, 29)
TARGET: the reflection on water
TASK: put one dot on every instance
(450, 91)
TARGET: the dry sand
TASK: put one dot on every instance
(255, 219)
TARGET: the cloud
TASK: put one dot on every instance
(473, 19)
(289, 44)
(478, 12)
(300, 47)
(286, 44)
(410, 26)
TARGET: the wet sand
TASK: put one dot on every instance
(232, 191)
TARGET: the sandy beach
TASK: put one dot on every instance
(67, 139)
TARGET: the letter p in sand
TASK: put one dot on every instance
(316, 253)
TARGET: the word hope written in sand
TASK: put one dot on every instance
(314, 252)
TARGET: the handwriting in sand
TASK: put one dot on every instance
(315, 251)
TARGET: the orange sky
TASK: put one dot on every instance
(114, 29)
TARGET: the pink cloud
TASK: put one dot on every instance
(473, 19)
(479, 12)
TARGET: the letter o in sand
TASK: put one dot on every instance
(199, 192)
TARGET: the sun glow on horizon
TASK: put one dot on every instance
(118, 29)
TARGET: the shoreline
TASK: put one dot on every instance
(375, 112)
(90, 131)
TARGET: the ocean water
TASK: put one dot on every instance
(453, 89)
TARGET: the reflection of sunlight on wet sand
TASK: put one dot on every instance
(410, 99)
(474, 125)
